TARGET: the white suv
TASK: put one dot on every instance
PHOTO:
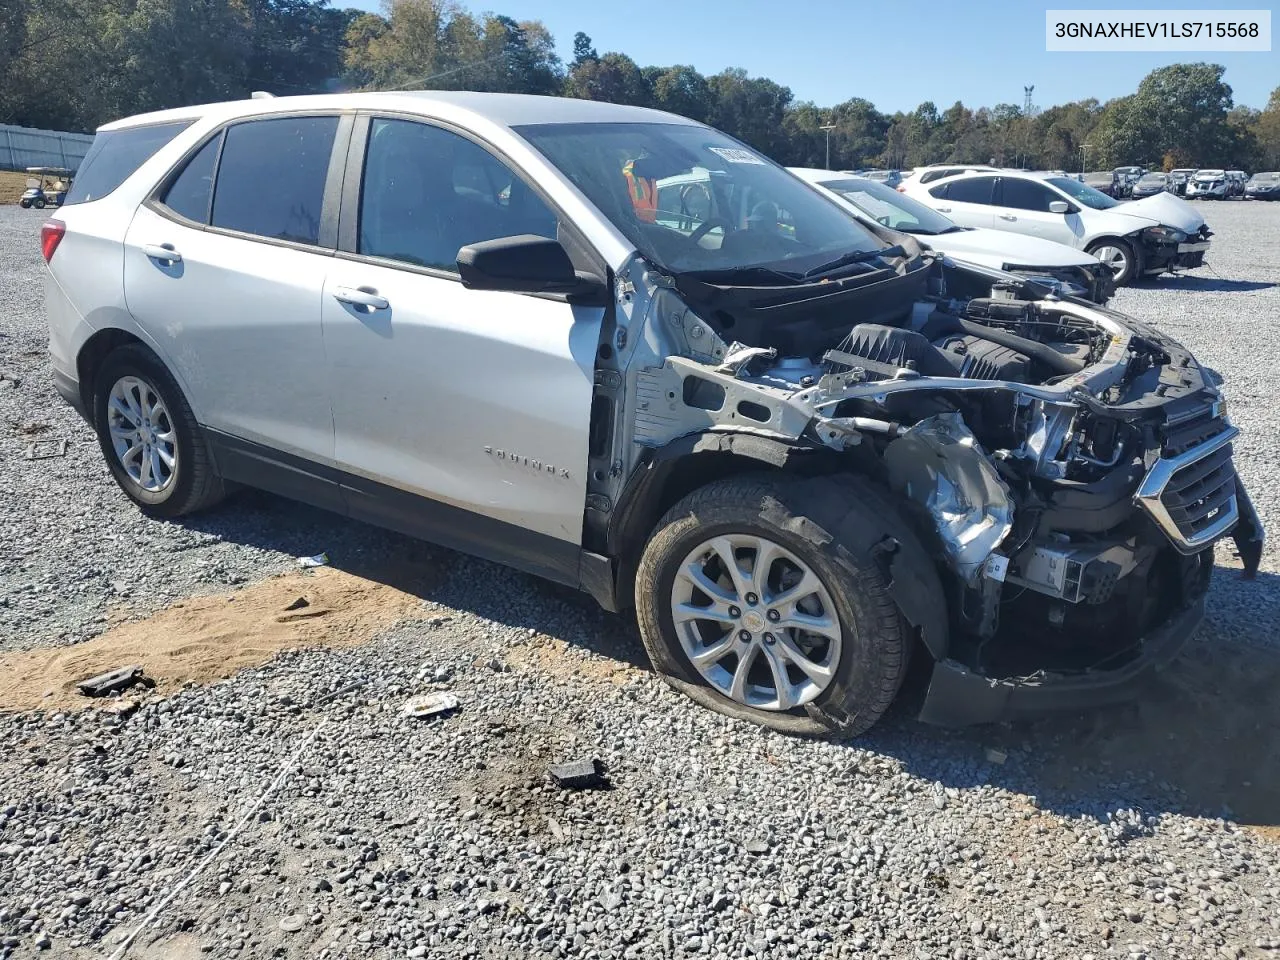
(800, 446)
(1141, 237)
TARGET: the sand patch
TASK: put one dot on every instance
(210, 638)
(555, 657)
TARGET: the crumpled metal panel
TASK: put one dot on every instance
(939, 464)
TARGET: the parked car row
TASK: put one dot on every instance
(623, 351)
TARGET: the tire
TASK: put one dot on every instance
(843, 530)
(188, 481)
(1121, 257)
(25, 204)
(38, 203)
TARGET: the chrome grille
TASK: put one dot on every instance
(1191, 494)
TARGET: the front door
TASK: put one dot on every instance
(1024, 208)
(467, 411)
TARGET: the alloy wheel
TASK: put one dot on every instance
(142, 434)
(1114, 257)
(756, 622)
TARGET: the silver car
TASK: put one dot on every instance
(626, 352)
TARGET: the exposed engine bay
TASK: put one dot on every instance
(1070, 467)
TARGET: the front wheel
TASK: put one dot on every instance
(39, 204)
(25, 204)
(767, 599)
(149, 436)
(1120, 256)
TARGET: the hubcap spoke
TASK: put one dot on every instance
(717, 612)
(809, 584)
(738, 690)
(766, 553)
(715, 652)
(817, 672)
(824, 626)
(724, 549)
(781, 682)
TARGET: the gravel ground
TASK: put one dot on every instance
(345, 829)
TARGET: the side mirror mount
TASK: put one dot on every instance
(1059, 206)
(526, 264)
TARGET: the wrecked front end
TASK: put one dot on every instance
(1070, 467)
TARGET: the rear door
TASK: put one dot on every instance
(467, 412)
(966, 201)
(225, 266)
(1022, 206)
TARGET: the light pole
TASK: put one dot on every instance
(828, 128)
(1084, 156)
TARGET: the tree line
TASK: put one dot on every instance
(74, 64)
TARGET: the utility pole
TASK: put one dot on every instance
(828, 128)
(1084, 156)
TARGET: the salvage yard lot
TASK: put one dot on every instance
(1151, 829)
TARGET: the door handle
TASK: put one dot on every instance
(1005, 216)
(943, 209)
(163, 252)
(361, 297)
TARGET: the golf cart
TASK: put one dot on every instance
(46, 187)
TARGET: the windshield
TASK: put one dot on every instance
(1210, 175)
(1153, 178)
(889, 207)
(1265, 177)
(693, 199)
(1083, 193)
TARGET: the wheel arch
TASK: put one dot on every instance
(94, 351)
(677, 469)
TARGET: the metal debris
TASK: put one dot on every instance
(578, 774)
(319, 560)
(298, 603)
(46, 449)
(113, 681)
(429, 705)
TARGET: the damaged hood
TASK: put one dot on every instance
(1165, 208)
(1000, 249)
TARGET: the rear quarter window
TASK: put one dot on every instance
(114, 155)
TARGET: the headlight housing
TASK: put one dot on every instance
(1165, 234)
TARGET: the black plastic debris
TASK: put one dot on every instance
(578, 774)
(114, 681)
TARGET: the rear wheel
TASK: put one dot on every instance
(149, 436)
(1120, 256)
(39, 203)
(767, 598)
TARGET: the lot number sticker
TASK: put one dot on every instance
(735, 155)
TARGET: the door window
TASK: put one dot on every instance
(971, 190)
(428, 192)
(271, 177)
(189, 195)
(1025, 195)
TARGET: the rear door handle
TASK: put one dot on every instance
(943, 209)
(1005, 216)
(361, 297)
(163, 252)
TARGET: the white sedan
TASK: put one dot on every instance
(1057, 264)
(1142, 237)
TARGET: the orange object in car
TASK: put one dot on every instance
(643, 192)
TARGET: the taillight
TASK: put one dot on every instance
(51, 235)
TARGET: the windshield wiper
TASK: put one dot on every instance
(857, 256)
(741, 274)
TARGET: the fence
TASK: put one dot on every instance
(22, 147)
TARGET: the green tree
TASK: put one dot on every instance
(753, 109)
(583, 49)
(1266, 132)
(613, 78)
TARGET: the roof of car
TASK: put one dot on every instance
(817, 175)
(507, 109)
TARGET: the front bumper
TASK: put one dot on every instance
(960, 697)
(1160, 255)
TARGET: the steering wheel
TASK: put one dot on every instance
(706, 227)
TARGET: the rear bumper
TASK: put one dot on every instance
(959, 697)
(68, 388)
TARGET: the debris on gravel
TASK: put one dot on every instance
(276, 738)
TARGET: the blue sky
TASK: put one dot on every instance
(894, 54)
